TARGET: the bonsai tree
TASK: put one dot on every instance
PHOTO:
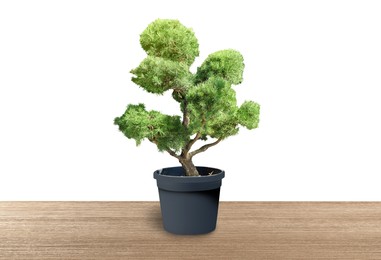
(206, 99)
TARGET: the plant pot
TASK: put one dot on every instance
(189, 204)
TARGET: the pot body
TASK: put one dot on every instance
(189, 204)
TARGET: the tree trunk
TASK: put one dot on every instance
(190, 169)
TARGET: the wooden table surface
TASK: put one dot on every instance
(245, 230)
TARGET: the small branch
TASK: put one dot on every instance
(167, 150)
(198, 136)
(191, 142)
(173, 153)
(185, 114)
(204, 148)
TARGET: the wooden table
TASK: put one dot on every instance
(245, 230)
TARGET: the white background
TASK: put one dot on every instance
(314, 66)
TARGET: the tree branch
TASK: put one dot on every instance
(173, 153)
(204, 147)
(167, 150)
(190, 143)
(185, 114)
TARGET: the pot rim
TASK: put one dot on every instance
(188, 183)
(219, 175)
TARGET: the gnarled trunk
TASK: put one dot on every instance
(190, 169)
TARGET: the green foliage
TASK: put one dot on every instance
(166, 131)
(227, 64)
(248, 114)
(212, 106)
(156, 75)
(207, 99)
(171, 40)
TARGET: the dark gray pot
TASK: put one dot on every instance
(189, 204)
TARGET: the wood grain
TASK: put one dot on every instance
(246, 230)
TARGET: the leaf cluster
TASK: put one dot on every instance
(227, 64)
(165, 131)
(212, 108)
(157, 75)
(170, 40)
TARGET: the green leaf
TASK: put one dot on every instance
(248, 114)
(171, 40)
(157, 75)
(226, 64)
(166, 131)
(212, 107)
